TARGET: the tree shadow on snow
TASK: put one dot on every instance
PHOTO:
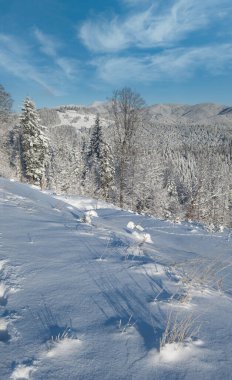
(52, 328)
(131, 310)
(4, 336)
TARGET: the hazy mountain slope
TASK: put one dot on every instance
(84, 117)
(186, 114)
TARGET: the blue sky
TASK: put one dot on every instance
(79, 51)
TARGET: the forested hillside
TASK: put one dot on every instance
(176, 163)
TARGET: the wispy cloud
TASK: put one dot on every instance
(50, 46)
(135, 3)
(175, 64)
(15, 58)
(157, 26)
(23, 61)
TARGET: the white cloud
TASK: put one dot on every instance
(159, 25)
(133, 3)
(68, 65)
(173, 64)
(47, 44)
(104, 35)
(20, 59)
(50, 47)
(15, 58)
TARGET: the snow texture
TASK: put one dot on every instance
(81, 301)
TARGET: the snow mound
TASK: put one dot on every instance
(83, 203)
(173, 352)
(3, 324)
(22, 372)
(2, 264)
(64, 347)
(3, 290)
(87, 218)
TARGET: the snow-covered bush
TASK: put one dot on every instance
(88, 216)
(142, 237)
(133, 226)
(137, 232)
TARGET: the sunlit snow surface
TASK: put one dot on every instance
(91, 299)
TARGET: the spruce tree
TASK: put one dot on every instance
(93, 156)
(95, 142)
(107, 171)
(34, 144)
(100, 165)
(5, 103)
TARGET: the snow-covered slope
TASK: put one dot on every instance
(204, 114)
(165, 114)
(77, 119)
(76, 116)
(93, 300)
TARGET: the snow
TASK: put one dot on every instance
(204, 113)
(3, 291)
(133, 226)
(3, 324)
(89, 215)
(130, 225)
(166, 114)
(173, 352)
(93, 300)
(22, 372)
(142, 238)
(84, 203)
(78, 120)
(63, 347)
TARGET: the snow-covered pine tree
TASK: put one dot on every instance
(5, 103)
(95, 141)
(93, 154)
(107, 170)
(173, 209)
(67, 166)
(34, 144)
(99, 173)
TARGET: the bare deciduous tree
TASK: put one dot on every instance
(126, 110)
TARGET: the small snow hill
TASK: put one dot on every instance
(88, 291)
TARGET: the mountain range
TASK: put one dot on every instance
(80, 116)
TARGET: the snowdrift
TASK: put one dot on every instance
(119, 296)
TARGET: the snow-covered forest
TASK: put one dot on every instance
(90, 289)
(169, 161)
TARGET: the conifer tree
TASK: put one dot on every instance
(34, 144)
(93, 156)
(107, 171)
(100, 165)
(95, 141)
(5, 103)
